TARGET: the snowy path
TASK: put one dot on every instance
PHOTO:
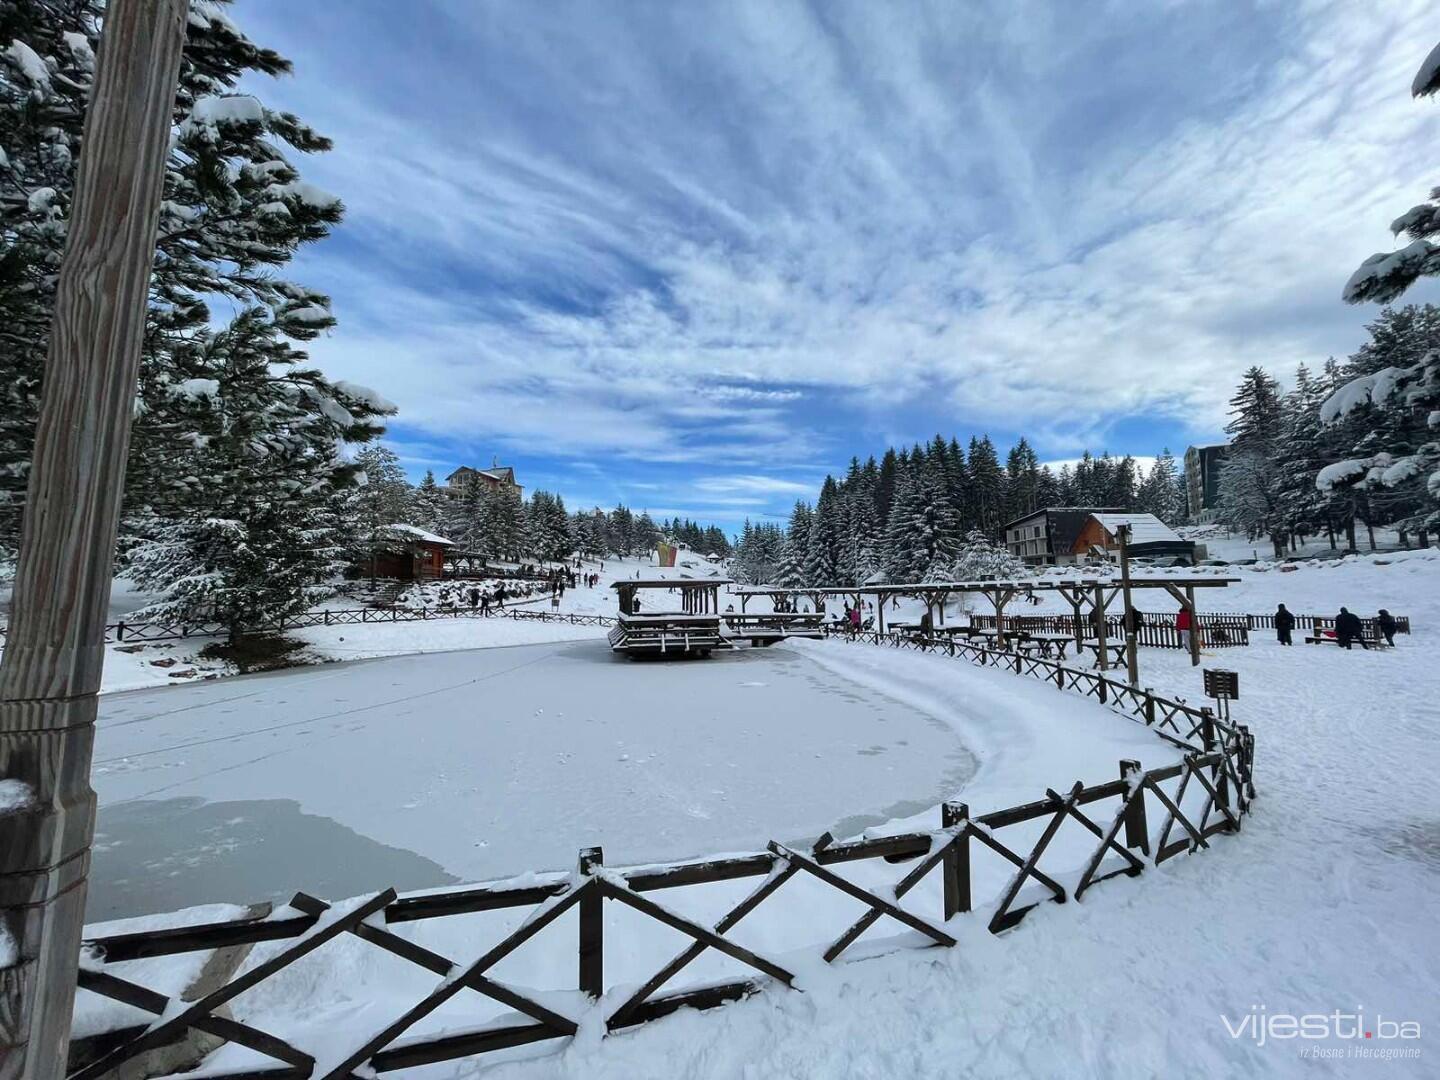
(424, 770)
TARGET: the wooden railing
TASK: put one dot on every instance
(1156, 630)
(1120, 814)
(1216, 758)
(1172, 719)
(124, 631)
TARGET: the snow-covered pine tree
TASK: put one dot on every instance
(1159, 492)
(234, 209)
(1385, 276)
(381, 499)
(986, 485)
(980, 557)
(920, 544)
(253, 526)
(1298, 460)
(791, 572)
(1249, 501)
(647, 533)
(427, 505)
(826, 525)
(1022, 481)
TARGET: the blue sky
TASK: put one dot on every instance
(692, 256)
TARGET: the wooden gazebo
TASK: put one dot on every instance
(646, 629)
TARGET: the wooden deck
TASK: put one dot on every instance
(667, 634)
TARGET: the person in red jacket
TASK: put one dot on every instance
(1182, 623)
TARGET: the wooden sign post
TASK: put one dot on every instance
(50, 674)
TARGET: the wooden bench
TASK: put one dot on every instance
(1366, 640)
(766, 628)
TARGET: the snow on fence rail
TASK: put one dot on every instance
(166, 631)
(1215, 771)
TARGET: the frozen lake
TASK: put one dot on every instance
(418, 771)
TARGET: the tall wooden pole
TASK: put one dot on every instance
(1132, 658)
(50, 674)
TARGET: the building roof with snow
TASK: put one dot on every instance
(415, 534)
(1144, 528)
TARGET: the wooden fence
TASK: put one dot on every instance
(169, 631)
(1217, 630)
(1157, 630)
(1215, 767)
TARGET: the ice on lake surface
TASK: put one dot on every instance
(418, 771)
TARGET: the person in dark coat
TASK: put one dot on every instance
(1348, 629)
(1386, 622)
(1284, 623)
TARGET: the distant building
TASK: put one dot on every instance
(1202, 481)
(1047, 537)
(495, 477)
(1150, 538)
(410, 554)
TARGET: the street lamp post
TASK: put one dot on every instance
(50, 672)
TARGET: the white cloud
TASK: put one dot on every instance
(678, 239)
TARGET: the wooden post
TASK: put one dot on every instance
(1137, 833)
(880, 611)
(956, 866)
(592, 929)
(1101, 630)
(1194, 626)
(1132, 658)
(50, 674)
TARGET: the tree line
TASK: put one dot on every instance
(1322, 456)
(937, 511)
(492, 522)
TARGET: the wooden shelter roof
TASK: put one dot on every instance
(1018, 584)
(671, 583)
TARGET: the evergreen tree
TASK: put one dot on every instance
(381, 500)
(823, 543)
(234, 209)
(979, 558)
(1385, 276)
(1022, 481)
(920, 541)
(253, 527)
(1159, 492)
(986, 484)
(427, 505)
(791, 572)
(1255, 413)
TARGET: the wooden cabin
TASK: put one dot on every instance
(410, 553)
(652, 623)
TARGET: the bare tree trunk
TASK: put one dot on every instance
(50, 673)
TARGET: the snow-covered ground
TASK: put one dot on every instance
(1323, 903)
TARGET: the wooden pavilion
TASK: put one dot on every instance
(1090, 599)
(645, 630)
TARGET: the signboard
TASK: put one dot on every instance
(1222, 684)
(666, 553)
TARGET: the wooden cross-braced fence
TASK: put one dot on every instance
(1137, 822)
(1174, 720)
